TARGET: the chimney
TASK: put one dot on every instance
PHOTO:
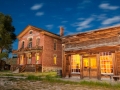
(61, 31)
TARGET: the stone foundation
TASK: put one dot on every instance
(50, 69)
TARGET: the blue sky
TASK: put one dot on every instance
(74, 15)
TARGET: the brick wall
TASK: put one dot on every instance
(48, 53)
(46, 57)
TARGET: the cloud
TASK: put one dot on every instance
(37, 6)
(50, 26)
(84, 4)
(101, 17)
(39, 13)
(107, 6)
(80, 18)
(84, 24)
(111, 20)
(64, 21)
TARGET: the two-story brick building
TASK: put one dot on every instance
(39, 50)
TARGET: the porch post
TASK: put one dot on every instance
(81, 67)
(98, 67)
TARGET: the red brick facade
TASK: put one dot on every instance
(27, 55)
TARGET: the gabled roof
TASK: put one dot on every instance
(30, 27)
(93, 31)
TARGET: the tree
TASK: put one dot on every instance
(7, 35)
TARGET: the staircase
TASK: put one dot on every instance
(22, 68)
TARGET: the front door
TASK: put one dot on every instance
(89, 66)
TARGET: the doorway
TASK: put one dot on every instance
(89, 67)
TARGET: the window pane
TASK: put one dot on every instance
(106, 63)
(75, 63)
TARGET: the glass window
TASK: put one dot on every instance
(55, 59)
(55, 44)
(37, 58)
(37, 41)
(30, 32)
(21, 59)
(22, 45)
(75, 63)
(30, 43)
(106, 63)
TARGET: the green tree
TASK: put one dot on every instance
(7, 35)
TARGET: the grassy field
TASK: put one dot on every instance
(52, 78)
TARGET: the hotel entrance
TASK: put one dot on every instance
(89, 66)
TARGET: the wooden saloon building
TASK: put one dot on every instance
(38, 50)
(92, 54)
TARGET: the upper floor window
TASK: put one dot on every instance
(55, 44)
(30, 43)
(30, 32)
(22, 45)
(37, 41)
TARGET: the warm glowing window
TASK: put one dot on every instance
(85, 62)
(90, 62)
(55, 59)
(106, 63)
(93, 62)
(75, 63)
(21, 59)
(37, 56)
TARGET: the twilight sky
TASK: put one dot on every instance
(74, 15)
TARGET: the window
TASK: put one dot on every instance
(22, 45)
(21, 59)
(106, 63)
(55, 58)
(37, 41)
(30, 43)
(29, 58)
(55, 44)
(75, 63)
(37, 58)
(30, 32)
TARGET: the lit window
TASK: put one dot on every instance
(55, 59)
(75, 63)
(55, 44)
(106, 63)
(37, 41)
(37, 57)
(21, 59)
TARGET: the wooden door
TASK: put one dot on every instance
(89, 66)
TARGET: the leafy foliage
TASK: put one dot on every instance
(3, 55)
(7, 35)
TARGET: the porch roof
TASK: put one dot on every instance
(94, 50)
(27, 50)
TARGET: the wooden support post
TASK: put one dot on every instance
(115, 58)
(81, 67)
(98, 67)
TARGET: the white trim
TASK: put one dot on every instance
(29, 37)
(38, 37)
(30, 31)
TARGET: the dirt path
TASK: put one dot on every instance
(9, 84)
